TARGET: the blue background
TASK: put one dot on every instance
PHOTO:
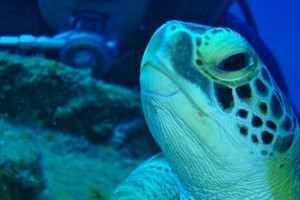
(278, 24)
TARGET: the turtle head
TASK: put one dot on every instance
(209, 101)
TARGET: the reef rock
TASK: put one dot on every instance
(21, 175)
(63, 134)
(35, 90)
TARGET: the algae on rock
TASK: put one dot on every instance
(21, 175)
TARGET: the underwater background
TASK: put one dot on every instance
(76, 132)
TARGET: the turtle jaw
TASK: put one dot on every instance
(155, 82)
(156, 74)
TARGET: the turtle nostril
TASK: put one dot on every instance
(173, 27)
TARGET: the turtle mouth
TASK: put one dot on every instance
(156, 82)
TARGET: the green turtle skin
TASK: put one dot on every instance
(225, 129)
(154, 179)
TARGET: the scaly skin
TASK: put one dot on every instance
(154, 179)
(224, 127)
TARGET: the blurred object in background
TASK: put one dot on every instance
(89, 31)
(94, 29)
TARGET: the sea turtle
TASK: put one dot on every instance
(225, 129)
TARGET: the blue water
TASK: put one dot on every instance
(278, 25)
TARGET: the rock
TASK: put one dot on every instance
(35, 90)
(21, 174)
(64, 135)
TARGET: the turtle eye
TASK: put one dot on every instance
(236, 62)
